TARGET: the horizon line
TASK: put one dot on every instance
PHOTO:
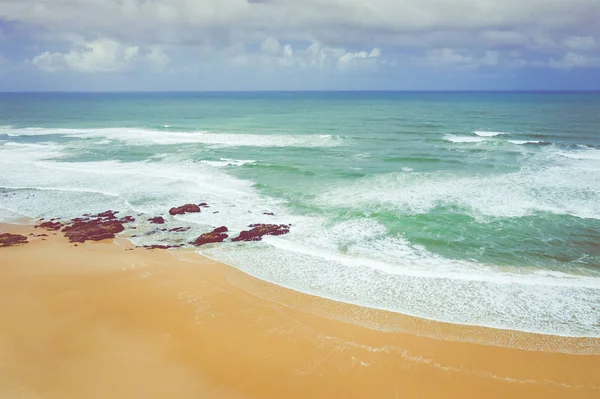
(307, 91)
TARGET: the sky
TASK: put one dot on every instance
(136, 45)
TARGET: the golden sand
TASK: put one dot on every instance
(102, 321)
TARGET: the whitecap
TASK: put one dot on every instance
(463, 139)
(136, 136)
(488, 134)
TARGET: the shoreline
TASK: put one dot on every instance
(105, 319)
(377, 319)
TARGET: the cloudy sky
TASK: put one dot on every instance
(299, 44)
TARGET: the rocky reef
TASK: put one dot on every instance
(93, 230)
(106, 225)
(187, 208)
(217, 235)
(259, 230)
(8, 240)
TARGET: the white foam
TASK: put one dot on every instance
(549, 182)
(406, 169)
(488, 134)
(228, 162)
(391, 274)
(134, 136)
(463, 139)
(521, 142)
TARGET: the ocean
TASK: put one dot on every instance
(464, 207)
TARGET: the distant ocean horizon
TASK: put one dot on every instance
(469, 207)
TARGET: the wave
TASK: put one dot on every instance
(551, 181)
(523, 142)
(228, 162)
(463, 139)
(135, 136)
(488, 134)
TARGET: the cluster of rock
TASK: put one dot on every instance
(8, 240)
(106, 225)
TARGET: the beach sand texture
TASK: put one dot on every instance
(106, 320)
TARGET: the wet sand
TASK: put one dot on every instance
(103, 320)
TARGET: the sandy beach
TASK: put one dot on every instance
(107, 320)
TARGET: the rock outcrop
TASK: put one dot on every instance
(161, 246)
(187, 208)
(50, 225)
(259, 230)
(217, 235)
(93, 230)
(157, 220)
(180, 229)
(8, 240)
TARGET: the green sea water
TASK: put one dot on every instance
(473, 208)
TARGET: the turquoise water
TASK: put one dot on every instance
(474, 208)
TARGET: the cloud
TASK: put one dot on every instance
(103, 55)
(109, 37)
(574, 60)
(348, 23)
(580, 43)
(462, 59)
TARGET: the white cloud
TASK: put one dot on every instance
(334, 22)
(158, 59)
(445, 57)
(103, 55)
(342, 35)
(574, 60)
(313, 56)
(580, 43)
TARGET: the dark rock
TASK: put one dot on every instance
(260, 230)
(127, 219)
(109, 215)
(50, 225)
(269, 213)
(180, 229)
(80, 220)
(157, 220)
(221, 229)
(161, 246)
(203, 205)
(7, 239)
(217, 235)
(94, 230)
(41, 235)
(187, 208)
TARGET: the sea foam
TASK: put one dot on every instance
(134, 136)
(463, 139)
(488, 134)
